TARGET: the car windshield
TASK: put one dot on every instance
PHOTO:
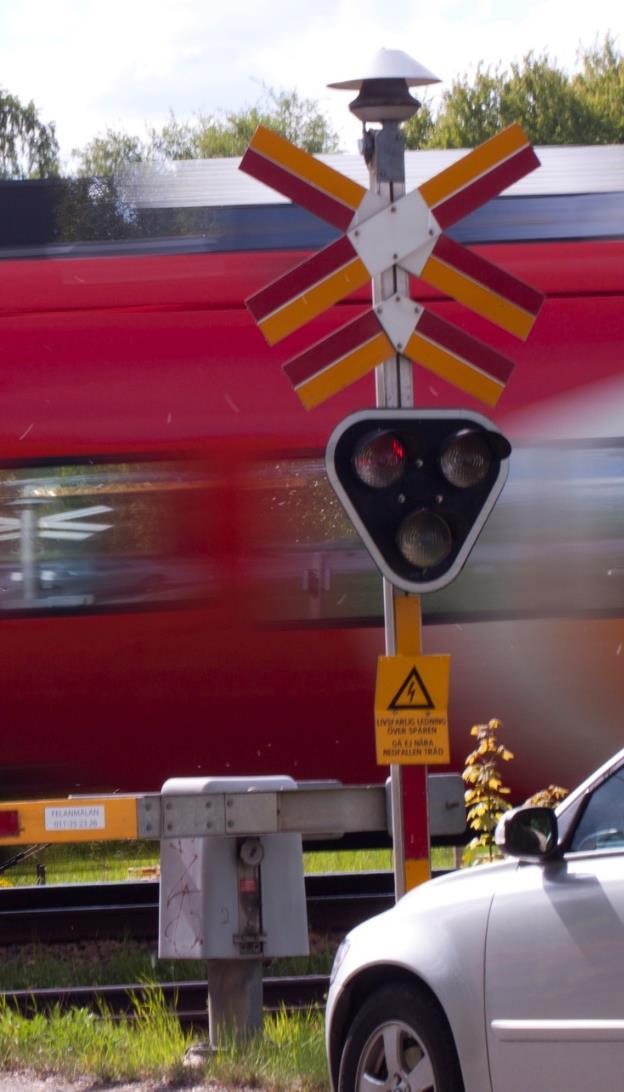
(601, 825)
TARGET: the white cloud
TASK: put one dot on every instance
(125, 63)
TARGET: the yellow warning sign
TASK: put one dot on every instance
(411, 710)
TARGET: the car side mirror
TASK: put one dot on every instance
(530, 834)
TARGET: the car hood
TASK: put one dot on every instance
(470, 888)
(464, 883)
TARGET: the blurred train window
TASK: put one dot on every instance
(271, 532)
(309, 563)
(87, 535)
(554, 545)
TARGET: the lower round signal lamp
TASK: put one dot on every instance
(425, 539)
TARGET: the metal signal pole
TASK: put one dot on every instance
(384, 99)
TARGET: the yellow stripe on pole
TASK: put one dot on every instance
(408, 620)
(453, 369)
(314, 301)
(417, 871)
(344, 371)
(482, 300)
(478, 162)
(304, 165)
(93, 819)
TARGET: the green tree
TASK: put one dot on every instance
(419, 128)
(552, 106)
(600, 87)
(297, 119)
(207, 136)
(176, 140)
(534, 92)
(28, 147)
(108, 153)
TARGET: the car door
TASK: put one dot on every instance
(554, 970)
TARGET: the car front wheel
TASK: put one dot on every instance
(399, 1042)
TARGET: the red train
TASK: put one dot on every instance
(179, 591)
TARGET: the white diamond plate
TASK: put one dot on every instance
(399, 317)
(404, 227)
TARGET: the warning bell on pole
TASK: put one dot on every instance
(418, 485)
(383, 90)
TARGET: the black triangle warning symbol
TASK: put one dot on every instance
(412, 694)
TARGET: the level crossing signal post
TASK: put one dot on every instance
(389, 235)
(385, 99)
(417, 486)
(384, 150)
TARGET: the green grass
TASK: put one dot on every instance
(89, 862)
(368, 860)
(79, 1042)
(361, 860)
(109, 963)
(288, 1055)
(92, 862)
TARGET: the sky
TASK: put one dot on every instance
(125, 64)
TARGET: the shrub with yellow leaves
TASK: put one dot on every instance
(486, 796)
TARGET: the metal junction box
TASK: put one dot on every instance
(226, 896)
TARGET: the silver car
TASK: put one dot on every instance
(501, 978)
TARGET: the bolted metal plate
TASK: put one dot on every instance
(406, 226)
(181, 816)
(251, 812)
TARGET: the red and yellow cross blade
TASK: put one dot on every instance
(308, 290)
(414, 242)
(478, 284)
(338, 360)
(458, 358)
(480, 175)
(303, 179)
(399, 325)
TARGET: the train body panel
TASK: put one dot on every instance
(223, 620)
(167, 692)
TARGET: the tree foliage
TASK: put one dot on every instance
(600, 84)
(207, 136)
(28, 147)
(548, 797)
(552, 106)
(106, 154)
(487, 798)
(486, 795)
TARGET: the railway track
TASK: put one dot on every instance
(189, 1000)
(73, 912)
(98, 911)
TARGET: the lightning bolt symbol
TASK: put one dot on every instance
(411, 690)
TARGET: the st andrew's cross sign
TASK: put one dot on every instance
(378, 235)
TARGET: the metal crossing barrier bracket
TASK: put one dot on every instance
(318, 812)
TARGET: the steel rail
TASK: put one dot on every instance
(189, 1000)
(71, 912)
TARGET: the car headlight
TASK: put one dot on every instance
(341, 952)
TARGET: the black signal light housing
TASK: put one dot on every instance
(418, 485)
